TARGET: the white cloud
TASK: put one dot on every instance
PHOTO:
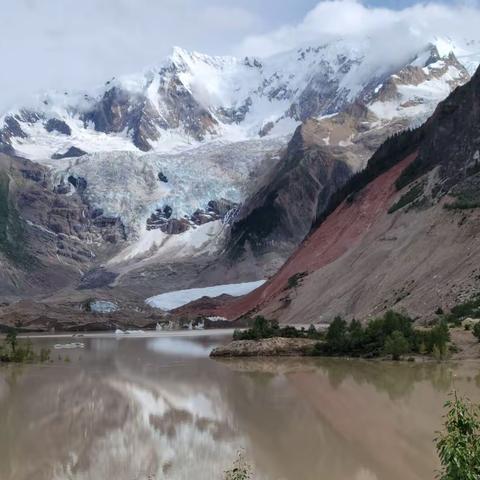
(229, 18)
(391, 29)
(73, 44)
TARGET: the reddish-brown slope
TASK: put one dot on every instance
(345, 227)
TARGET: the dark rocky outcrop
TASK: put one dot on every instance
(13, 129)
(159, 217)
(200, 217)
(174, 226)
(415, 75)
(56, 125)
(281, 212)
(162, 177)
(450, 140)
(237, 114)
(221, 207)
(78, 182)
(216, 210)
(183, 110)
(97, 278)
(121, 110)
(10, 129)
(72, 152)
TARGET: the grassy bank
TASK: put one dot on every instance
(12, 350)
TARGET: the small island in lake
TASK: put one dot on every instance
(393, 335)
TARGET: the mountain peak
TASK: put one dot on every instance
(179, 55)
(195, 97)
(183, 58)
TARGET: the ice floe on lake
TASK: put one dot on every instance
(61, 346)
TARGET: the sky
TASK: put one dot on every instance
(78, 44)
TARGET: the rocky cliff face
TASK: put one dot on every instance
(47, 238)
(297, 190)
(403, 233)
(278, 216)
(296, 193)
(120, 110)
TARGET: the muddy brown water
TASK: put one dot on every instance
(156, 407)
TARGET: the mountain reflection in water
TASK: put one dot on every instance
(154, 408)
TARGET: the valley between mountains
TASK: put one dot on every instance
(302, 186)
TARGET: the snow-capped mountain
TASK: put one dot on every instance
(201, 171)
(193, 98)
(176, 147)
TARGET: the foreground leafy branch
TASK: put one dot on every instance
(240, 470)
(458, 445)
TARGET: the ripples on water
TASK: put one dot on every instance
(158, 407)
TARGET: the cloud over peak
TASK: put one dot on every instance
(71, 44)
(407, 28)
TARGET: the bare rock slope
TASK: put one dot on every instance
(47, 238)
(403, 233)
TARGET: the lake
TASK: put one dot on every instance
(156, 407)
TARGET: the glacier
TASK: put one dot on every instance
(213, 125)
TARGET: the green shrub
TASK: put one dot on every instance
(465, 198)
(409, 197)
(433, 341)
(393, 334)
(15, 351)
(312, 332)
(458, 445)
(413, 171)
(12, 340)
(379, 329)
(470, 308)
(462, 204)
(336, 338)
(438, 354)
(356, 336)
(396, 345)
(290, 332)
(263, 328)
(476, 330)
(237, 335)
(319, 350)
(439, 336)
(294, 280)
(44, 355)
